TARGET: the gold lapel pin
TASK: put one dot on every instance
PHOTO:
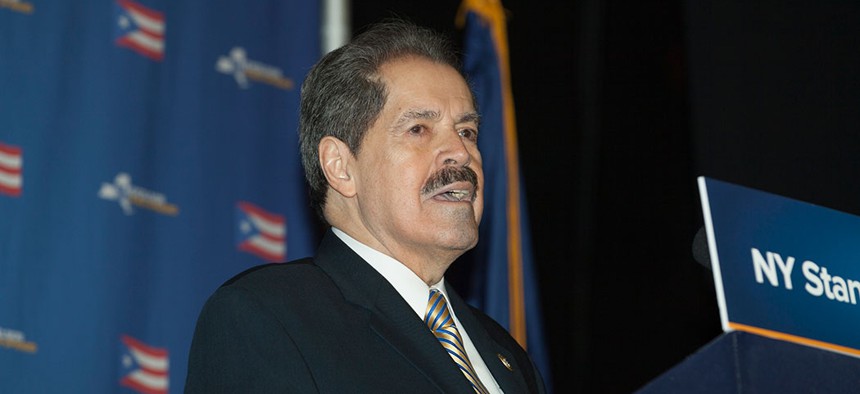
(505, 362)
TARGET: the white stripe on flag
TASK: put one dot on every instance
(269, 246)
(150, 362)
(153, 26)
(152, 381)
(10, 161)
(272, 229)
(9, 180)
(155, 45)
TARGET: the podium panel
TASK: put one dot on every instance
(745, 363)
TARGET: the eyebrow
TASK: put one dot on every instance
(427, 114)
(469, 117)
(430, 114)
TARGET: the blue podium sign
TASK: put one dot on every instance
(783, 268)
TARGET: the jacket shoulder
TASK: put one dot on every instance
(283, 282)
(263, 271)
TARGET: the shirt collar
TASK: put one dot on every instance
(413, 290)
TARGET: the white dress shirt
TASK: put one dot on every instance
(416, 293)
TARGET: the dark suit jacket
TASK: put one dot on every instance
(333, 324)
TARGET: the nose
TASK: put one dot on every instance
(453, 150)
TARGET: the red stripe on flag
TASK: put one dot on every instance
(150, 13)
(255, 210)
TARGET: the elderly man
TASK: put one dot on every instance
(388, 136)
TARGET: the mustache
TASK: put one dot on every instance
(449, 175)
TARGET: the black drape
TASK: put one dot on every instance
(620, 105)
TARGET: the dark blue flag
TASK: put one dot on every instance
(503, 282)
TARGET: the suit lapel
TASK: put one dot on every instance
(389, 316)
(509, 379)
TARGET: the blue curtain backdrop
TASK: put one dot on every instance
(148, 151)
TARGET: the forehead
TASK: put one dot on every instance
(416, 83)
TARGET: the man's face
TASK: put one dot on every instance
(420, 182)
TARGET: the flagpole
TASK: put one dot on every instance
(335, 24)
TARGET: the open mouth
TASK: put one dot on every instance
(455, 195)
(452, 184)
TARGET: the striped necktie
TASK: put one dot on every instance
(439, 319)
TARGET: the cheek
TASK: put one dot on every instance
(396, 182)
(482, 192)
(407, 173)
(476, 156)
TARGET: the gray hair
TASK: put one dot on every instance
(342, 95)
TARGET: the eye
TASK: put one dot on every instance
(417, 129)
(469, 134)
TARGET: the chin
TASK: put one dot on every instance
(458, 230)
(461, 238)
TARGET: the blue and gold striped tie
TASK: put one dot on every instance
(439, 319)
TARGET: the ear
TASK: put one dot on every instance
(335, 160)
